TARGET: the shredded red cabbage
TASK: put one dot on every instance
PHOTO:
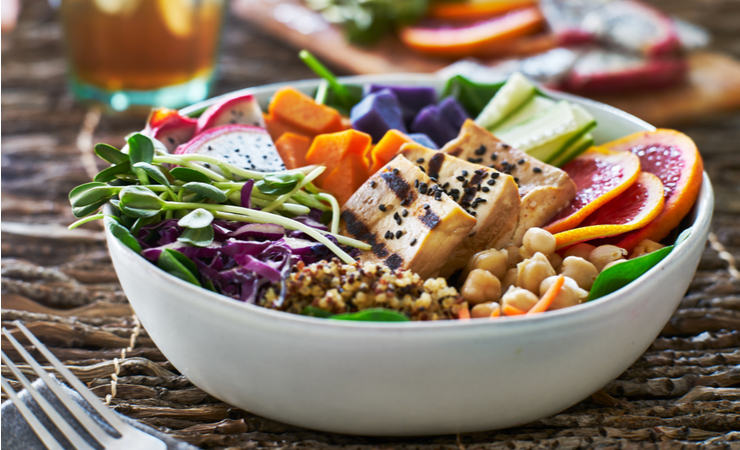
(244, 258)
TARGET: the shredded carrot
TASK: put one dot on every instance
(509, 310)
(546, 300)
(463, 314)
(496, 312)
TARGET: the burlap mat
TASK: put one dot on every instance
(684, 392)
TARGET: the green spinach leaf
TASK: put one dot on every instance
(179, 265)
(373, 315)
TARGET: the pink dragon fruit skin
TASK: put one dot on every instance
(245, 146)
(170, 128)
(243, 109)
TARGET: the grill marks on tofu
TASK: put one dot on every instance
(544, 189)
(490, 196)
(408, 229)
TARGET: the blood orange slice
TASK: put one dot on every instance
(472, 39)
(599, 175)
(673, 157)
(630, 210)
(474, 10)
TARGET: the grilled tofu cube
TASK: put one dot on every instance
(488, 195)
(544, 189)
(407, 230)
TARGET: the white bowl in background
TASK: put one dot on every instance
(417, 378)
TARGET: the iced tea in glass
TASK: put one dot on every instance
(147, 52)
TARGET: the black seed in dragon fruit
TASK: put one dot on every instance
(170, 128)
(244, 146)
(242, 109)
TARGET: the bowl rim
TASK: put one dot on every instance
(703, 207)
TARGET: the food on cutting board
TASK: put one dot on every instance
(407, 207)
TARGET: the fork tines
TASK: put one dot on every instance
(132, 437)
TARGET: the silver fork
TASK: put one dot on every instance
(128, 437)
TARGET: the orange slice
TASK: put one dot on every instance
(673, 157)
(632, 209)
(599, 175)
(475, 9)
(467, 40)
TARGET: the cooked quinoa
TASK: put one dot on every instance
(339, 288)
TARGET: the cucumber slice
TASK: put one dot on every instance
(585, 122)
(581, 145)
(517, 91)
(534, 106)
(541, 129)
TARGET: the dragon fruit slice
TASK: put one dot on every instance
(170, 128)
(627, 24)
(603, 71)
(243, 109)
(245, 146)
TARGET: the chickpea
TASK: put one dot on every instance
(644, 247)
(494, 261)
(485, 310)
(519, 298)
(513, 253)
(481, 287)
(509, 279)
(531, 272)
(570, 294)
(604, 254)
(555, 261)
(538, 240)
(524, 253)
(581, 250)
(583, 272)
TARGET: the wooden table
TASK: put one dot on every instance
(684, 392)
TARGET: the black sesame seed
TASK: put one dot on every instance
(485, 189)
(434, 175)
(416, 183)
(426, 205)
(420, 161)
(445, 186)
(413, 242)
(395, 171)
(399, 233)
(495, 175)
(388, 234)
(207, 166)
(381, 207)
(537, 170)
(473, 234)
(465, 173)
(480, 150)
(494, 156)
(460, 178)
(491, 182)
(521, 161)
(423, 188)
(433, 179)
(373, 184)
(473, 213)
(396, 216)
(405, 212)
(516, 180)
(422, 169)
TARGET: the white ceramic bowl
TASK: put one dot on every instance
(409, 378)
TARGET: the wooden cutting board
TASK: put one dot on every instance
(712, 87)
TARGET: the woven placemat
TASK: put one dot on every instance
(684, 392)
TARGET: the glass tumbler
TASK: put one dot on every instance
(142, 52)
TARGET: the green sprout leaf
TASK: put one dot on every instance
(199, 237)
(198, 218)
(373, 315)
(122, 234)
(207, 190)
(110, 154)
(153, 172)
(83, 211)
(139, 202)
(110, 173)
(89, 193)
(179, 265)
(140, 148)
(187, 175)
(279, 184)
